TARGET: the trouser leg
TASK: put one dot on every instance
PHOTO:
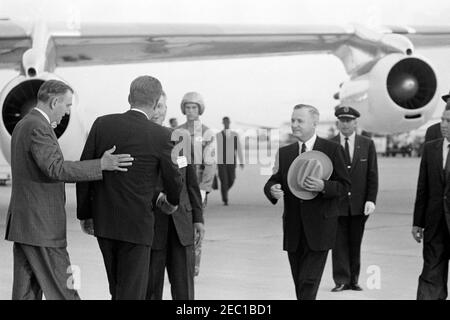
(108, 249)
(433, 279)
(341, 252)
(180, 267)
(357, 224)
(25, 284)
(223, 176)
(307, 269)
(127, 266)
(51, 268)
(231, 172)
(156, 275)
(132, 271)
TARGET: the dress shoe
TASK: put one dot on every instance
(356, 287)
(340, 287)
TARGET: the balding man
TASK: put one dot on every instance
(36, 219)
(309, 225)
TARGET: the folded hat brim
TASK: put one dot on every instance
(292, 178)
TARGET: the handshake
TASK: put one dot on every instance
(164, 205)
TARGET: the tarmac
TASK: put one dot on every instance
(242, 257)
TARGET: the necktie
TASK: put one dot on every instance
(303, 148)
(347, 153)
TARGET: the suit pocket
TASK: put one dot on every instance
(363, 160)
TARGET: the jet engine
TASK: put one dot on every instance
(398, 94)
(17, 99)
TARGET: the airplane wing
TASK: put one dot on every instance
(97, 44)
(100, 44)
(425, 36)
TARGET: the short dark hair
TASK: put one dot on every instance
(172, 120)
(145, 90)
(52, 88)
(225, 118)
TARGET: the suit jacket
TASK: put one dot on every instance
(433, 189)
(363, 175)
(316, 217)
(433, 132)
(189, 212)
(120, 204)
(36, 213)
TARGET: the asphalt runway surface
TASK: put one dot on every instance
(242, 254)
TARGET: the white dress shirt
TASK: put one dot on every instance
(444, 152)
(351, 143)
(308, 144)
(139, 110)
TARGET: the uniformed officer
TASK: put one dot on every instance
(355, 208)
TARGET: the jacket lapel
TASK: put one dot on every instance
(318, 145)
(293, 153)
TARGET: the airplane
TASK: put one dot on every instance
(394, 89)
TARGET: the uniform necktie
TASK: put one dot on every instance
(303, 147)
(347, 152)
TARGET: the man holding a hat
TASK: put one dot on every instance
(434, 131)
(356, 206)
(310, 174)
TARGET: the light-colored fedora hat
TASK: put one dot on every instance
(312, 163)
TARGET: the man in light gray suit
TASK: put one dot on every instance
(36, 220)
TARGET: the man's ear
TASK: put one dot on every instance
(53, 102)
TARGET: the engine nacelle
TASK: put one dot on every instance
(19, 97)
(398, 94)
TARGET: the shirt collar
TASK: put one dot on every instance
(139, 110)
(309, 144)
(43, 113)
(351, 138)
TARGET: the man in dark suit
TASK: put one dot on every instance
(228, 147)
(36, 219)
(434, 131)
(118, 210)
(432, 214)
(309, 225)
(173, 242)
(358, 204)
